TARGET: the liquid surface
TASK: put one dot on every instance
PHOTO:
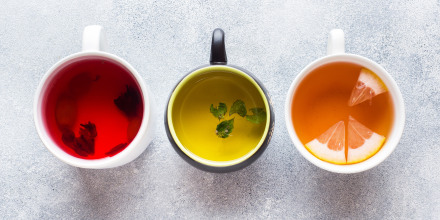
(321, 100)
(84, 91)
(195, 126)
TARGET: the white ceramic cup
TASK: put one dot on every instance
(94, 45)
(336, 53)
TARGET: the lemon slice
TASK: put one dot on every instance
(362, 142)
(330, 145)
(367, 86)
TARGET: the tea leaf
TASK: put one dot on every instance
(66, 111)
(238, 107)
(83, 145)
(69, 140)
(88, 130)
(259, 115)
(118, 148)
(129, 101)
(224, 129)
(220, 111)
(86, 140)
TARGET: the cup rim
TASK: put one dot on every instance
(106, 162)
(398, 120)
(204, 70)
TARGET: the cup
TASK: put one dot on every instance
(336, 53)
(94, 46)
(191, 128)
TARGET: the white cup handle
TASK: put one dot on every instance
(336, 42)
(94, 39)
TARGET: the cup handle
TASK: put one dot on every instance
(218, 51)
(336, 42)
(94, 38)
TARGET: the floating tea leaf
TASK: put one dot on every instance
(219, 112)
(238, 107)
(259, 115)
(118, 148)
(224, 129)
(129, 101)
(83, 145)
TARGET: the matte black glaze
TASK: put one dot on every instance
(218, 50)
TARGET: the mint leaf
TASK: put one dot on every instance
(219, 112)
(259, 115)
(224, 128)
(238, 107)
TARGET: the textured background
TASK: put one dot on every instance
(274, 40)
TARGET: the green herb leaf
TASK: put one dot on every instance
(224, 129)
(219, 112)
(238, 107)
(259, 115)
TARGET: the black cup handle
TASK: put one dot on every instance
(218, 51)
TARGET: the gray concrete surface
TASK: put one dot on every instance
(163, 40)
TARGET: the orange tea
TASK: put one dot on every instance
(321, 101)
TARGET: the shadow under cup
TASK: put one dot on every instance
(191, 127)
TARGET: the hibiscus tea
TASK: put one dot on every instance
(93, 107)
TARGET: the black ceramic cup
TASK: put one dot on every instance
(202, 121)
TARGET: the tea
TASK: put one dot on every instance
(93, 107)
(321, 101)
(205, 109)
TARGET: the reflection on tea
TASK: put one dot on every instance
(322, 113)
(94, 108)
(209, 120)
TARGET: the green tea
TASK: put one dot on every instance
(195, 125)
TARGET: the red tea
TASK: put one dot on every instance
(321, 100)
(93, 107)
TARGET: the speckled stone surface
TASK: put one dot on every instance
(274, 40)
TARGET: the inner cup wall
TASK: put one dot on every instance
(180, 95)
